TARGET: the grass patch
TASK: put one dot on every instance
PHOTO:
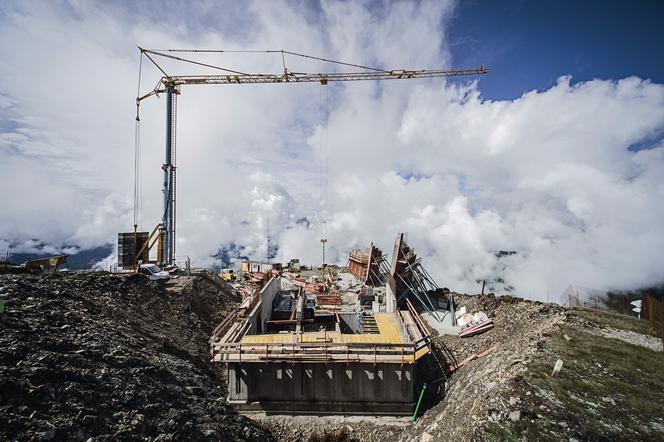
(496, 432)
(606, 390)
(616, 320)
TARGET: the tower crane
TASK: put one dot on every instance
(171, 86)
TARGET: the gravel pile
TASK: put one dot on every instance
(334, 428)
(114, 358)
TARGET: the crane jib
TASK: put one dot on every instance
(316, 77)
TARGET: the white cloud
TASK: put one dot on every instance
(548, 175)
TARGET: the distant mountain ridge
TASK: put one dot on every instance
(82, 259)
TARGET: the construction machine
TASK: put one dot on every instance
(227, 275)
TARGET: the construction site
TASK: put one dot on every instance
(331, 341)
(372, 348)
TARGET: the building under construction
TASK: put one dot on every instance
(331, 342)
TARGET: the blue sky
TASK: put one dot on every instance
(529, 44)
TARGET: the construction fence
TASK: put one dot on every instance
(652, 310)
(577, 296)
(652, 307)
(618, 302)
(12, 258)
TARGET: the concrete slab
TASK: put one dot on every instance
(444, 326)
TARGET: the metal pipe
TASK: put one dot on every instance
(419, 401)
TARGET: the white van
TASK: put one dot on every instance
(153, 272)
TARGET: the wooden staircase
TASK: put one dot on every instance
(369, 324)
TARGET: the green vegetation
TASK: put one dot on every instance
(607, 389)
(616, 320)
(496, 431)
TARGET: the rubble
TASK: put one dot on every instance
(337, 428)
(115, 358)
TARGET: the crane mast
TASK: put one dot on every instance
(169, 167)
(170, 85)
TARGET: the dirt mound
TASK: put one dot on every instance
(115, 357)
(475, 394)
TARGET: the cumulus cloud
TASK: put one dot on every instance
(549, 175)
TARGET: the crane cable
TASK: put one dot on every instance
(326, 156)
(320, 160)
(323, 169)
(138, 197)
(283, 52)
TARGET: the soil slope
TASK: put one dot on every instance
(115, 358)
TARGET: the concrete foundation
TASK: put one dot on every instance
(317, 388)
(327, 360)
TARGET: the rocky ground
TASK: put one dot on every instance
(93, 355)
(114, 358)
(334, 428)
(477, 392)
(610, 387)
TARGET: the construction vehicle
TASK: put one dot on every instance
(227, 275)
(47, 265)
(171, 86)
(153, 272)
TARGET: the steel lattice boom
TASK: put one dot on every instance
(301, 77)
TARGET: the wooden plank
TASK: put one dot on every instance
(477, 329)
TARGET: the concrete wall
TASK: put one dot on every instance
(351, 320)
(263, 310)
(268, 293)
(338, 388)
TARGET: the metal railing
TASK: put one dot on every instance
(12, 258)
(319, 352)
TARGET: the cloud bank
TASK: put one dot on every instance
(553, 175)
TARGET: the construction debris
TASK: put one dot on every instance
(557, 367)
(476, 329)
(470, 358)
(370, 337)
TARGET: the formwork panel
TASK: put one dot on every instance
(355, 388)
